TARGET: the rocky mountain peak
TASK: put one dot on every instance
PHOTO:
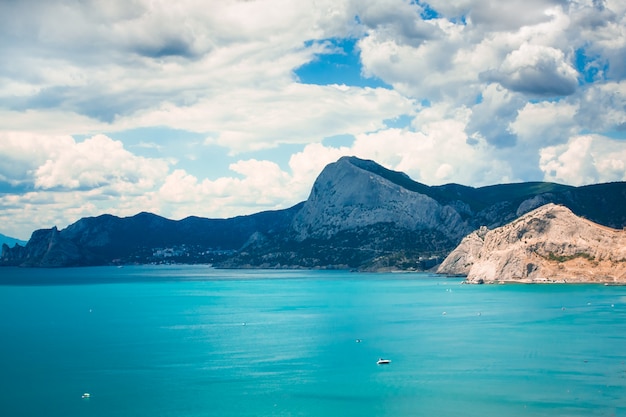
(354, 193)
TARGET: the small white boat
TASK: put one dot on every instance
(382, 361)
(86, 395)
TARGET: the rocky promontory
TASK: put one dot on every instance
(548, 244)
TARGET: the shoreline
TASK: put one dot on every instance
(542, 281)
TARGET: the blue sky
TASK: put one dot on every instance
(224, 107)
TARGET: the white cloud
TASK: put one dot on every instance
(495, 15)
(98, 162)
(49, 122)
(258, 119)
(180, 187)
(397, 20)
(233, 79)
(260, 185)
(585, 160)
(545, 123)
(69, 179)
(21, 154)
(603, 107)
(536, 70)
(491, 117)
(427, 70)
(104, 63)
(601, 28)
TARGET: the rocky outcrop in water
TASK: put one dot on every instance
(549, 244)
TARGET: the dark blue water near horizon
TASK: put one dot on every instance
(195, 341)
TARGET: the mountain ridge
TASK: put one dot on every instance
(10, 241)
(359, 215)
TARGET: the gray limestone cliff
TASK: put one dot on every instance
(348, 195)
(548, 244)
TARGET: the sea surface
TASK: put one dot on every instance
(187, 341)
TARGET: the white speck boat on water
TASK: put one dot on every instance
(86, 395)
(382, 361)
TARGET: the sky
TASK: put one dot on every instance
(219, 108)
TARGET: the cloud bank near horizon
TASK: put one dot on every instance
(223, 108)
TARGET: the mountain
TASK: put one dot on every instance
(363, 216)
(359, 215)
(143, 238)
(548, 244)
(10, 241)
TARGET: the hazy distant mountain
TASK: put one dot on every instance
(548, 244)
(359, 215)
(10, 241)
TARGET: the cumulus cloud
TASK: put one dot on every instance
(585, 160)
(98, 162)
(225, 67)
(22, 153)
(491, 117)
(603, 107)
(118, 58)
(536, 70)
(601, 25)
(71, 178)
(260, 185)
(469, 54)
(397, 20)
(545, 123)
(427, 70)
(494, 15)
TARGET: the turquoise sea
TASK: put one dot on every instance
(186, 341)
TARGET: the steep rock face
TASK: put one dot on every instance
(461, 259)
(547, 244)
(12, 255)
(47, 248)
(346, 196)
